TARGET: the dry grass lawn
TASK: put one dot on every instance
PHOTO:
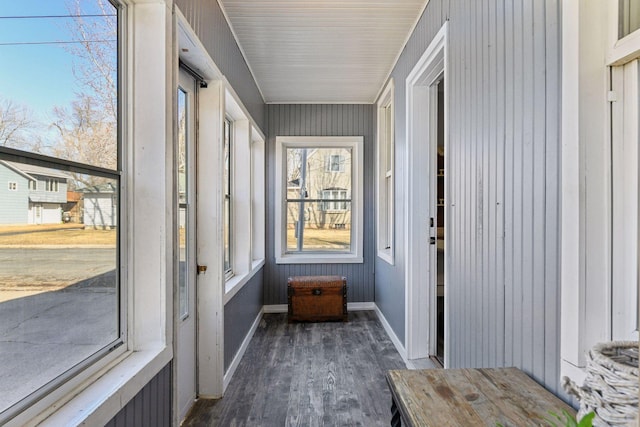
(55, 234)
(316, 238)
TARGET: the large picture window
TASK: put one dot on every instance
(320, 211)
(61, 303)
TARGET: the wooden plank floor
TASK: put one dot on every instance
(308, 374)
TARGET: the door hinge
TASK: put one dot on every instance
(612, 96)
(201, 269)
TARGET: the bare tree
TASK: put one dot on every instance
(87, 134)
(88, 128)
(15, 125)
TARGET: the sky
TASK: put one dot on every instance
(39, 76)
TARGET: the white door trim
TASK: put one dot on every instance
(209, 284)
(418, 208)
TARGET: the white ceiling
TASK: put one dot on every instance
(321, 51)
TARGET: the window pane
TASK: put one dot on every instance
(183, 208)
(322, 224)
(227, 235)
(629, 17)
(312, 170)
(58, 280)
(227, 195)
(321, 229)
(59, 287)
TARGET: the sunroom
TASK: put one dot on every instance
(470, 167)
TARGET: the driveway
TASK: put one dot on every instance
(57, 307)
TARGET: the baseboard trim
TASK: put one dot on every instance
(275, 308)
(351, 306)
(392, 336)
(243, 348)
(361, 306)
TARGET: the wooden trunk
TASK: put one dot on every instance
(317, 298)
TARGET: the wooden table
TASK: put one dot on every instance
(470, 397)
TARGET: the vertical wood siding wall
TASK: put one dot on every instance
(208, 22)
(322, 120)
(150, 407)
(503, 170)
(239, 315)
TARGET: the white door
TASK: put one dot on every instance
(185, 345)
(624, 260)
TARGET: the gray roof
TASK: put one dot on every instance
(36, 170)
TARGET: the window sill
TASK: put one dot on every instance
(99, 402)
(237, 282)
(344, 258)
(387, 256)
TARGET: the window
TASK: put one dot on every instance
(629, 17)
(243, 187)
(385, 175)
(335, 163)
(227, 182)
(51, 185)
(334, 194)
(33, 185)
(13, 186)
(72, 319)
(319, 212)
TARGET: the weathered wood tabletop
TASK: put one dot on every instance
(471, 397)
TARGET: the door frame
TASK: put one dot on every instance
(208, 212)
(420, 332)
(191, 230)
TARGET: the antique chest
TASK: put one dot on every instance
(317, 298)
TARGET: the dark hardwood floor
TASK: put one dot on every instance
(308, 374)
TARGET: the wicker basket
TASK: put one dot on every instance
(611, 386)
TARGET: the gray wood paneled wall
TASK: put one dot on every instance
(208, 21)
(322, 120)
(504, 148)
(239, 315)
(150, 407)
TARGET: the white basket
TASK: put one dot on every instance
(611, 386)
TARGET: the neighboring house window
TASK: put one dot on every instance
(51, 185)
(334, 194)
(335, 163)
(228, 210)
(13, 186)
(385, 176)
(33, 185)
(54, 339)
(327, 228)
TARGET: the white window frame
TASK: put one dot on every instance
(385, 183)
(586, 269)
(355, 255)
(247, 197)
(95, 395)
(229, 193)
(33, 185)
(13, 186)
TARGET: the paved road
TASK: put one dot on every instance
(48, 269)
